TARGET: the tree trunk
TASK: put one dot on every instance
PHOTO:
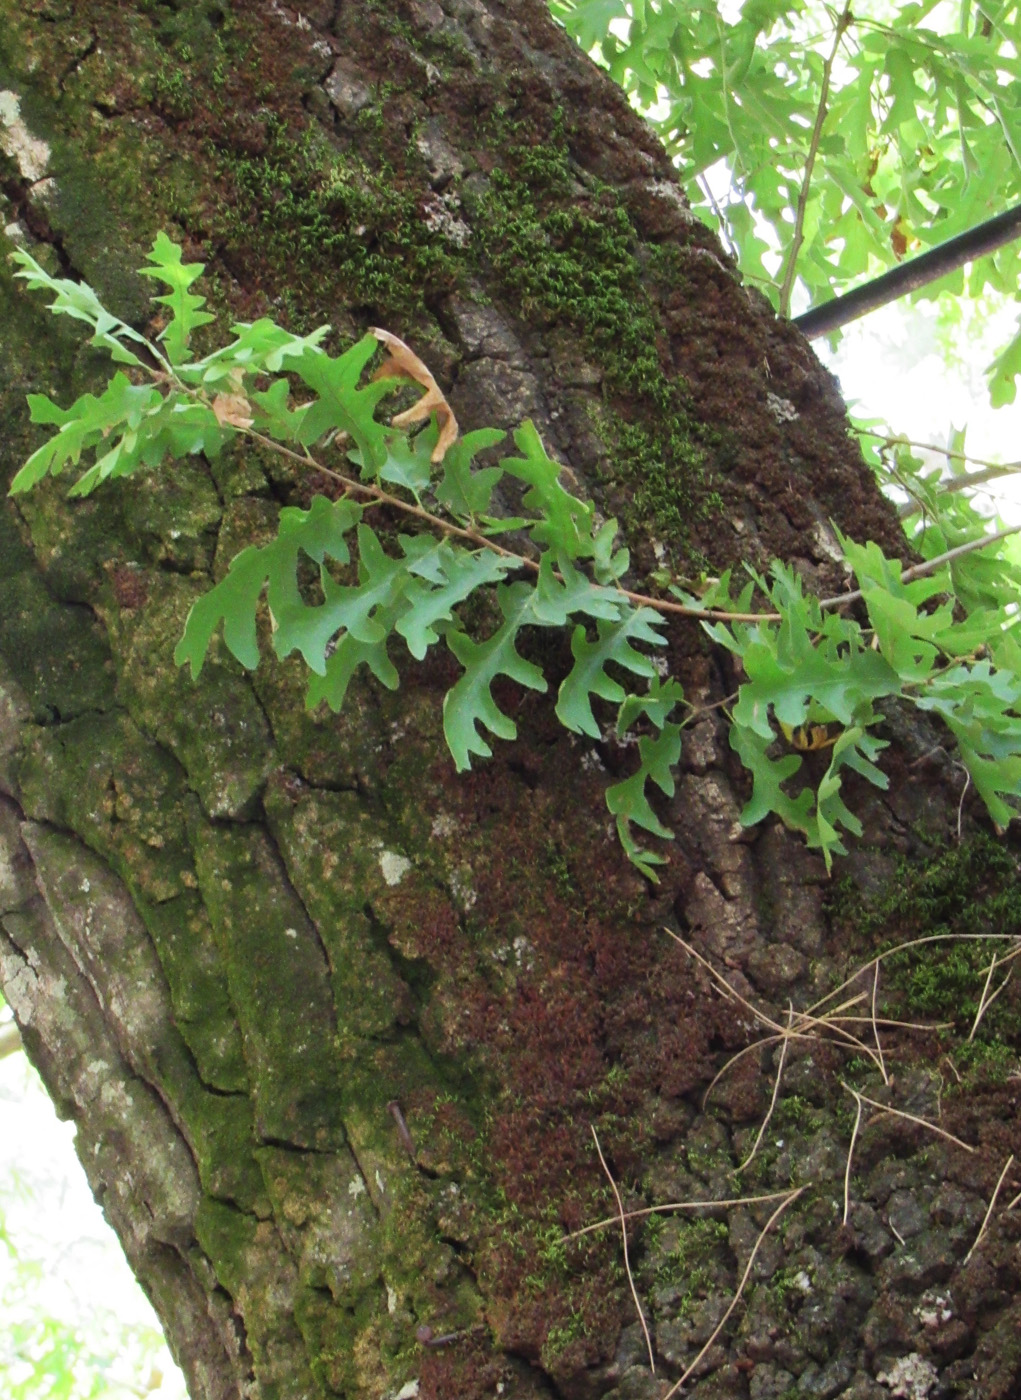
(334, 1023)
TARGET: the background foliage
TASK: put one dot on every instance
(825, 145)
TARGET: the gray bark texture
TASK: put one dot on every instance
(333, 1022)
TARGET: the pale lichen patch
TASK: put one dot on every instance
(781, 409)
(393, 866)
(461, 889)
(910, 1377)
(31, 155)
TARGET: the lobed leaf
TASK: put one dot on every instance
(185, 306)
(341, 405)
(319, 533)
(470, 702)
(659, 756)
(454, 574)
(79, 301)
(588, 676)
(565, 522)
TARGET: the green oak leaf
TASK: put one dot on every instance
(627, 801)
(341, 405)
(470, 702)
(588, 676)
(454, 574)
(464, 492)
(185, 306)
(565, 522)
(318, 533)
(79, 301)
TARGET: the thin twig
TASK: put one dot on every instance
(850, 1154)
(661, 605)
(740, 1289)
(982, 1000)
(776, 1091)
(954, 483)
(674, 1206)
(723, 984)
(960, 805)
(623, 1235)
(928, 567)
(915, 943)
(437, 522)
(989, 1210)
(875, 1026)
(897, 1025)
(911, 1118)
(805, 1026)
(724, 231)
(790, 271)
(987, 1002)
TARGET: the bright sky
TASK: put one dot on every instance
(65, 1263)
(891, 366)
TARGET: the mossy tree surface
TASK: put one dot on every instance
(333, 1022)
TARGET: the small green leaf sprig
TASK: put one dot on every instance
(812, 673)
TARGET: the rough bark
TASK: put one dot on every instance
(237, 936)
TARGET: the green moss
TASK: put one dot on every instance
(227, 758)
(99, 776)
(787, 1285)
(562, 1335)
(568, 256)
(57, 656)
(173, 90)
(316, 209)
(686, 1255)
(962, 899)
(245, 1254)
(796, 1112)
(278, 985)
(665, 467)
(992, 1061)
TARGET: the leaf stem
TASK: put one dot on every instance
(437, 522)
(929, 565)
(957, 483)
(846, 18)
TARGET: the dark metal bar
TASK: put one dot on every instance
(909, 276)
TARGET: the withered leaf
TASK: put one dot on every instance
(403, 363)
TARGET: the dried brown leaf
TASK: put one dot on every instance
(233, 410)
(403, 363)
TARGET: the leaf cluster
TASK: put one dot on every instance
(816, 676)
(289, 392)
(814, 673)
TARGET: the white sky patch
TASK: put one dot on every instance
(891, 366)
(62, 1244)
(31, 155)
